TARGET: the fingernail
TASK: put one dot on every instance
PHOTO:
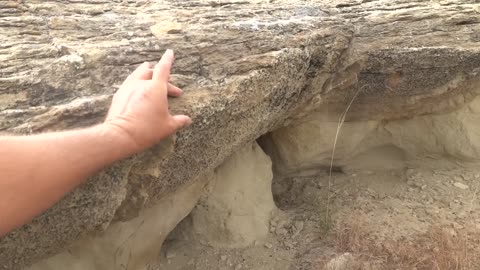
(189, 122)
(169, 52)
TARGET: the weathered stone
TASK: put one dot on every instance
(456, 134)
(309, 145)
(460, 185)
(236, 211)
(376, 145)
(247, 68)
(131, 244)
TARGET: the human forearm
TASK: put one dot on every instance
(39, 170)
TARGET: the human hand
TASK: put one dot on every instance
(139, 109)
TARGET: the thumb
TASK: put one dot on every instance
(181, 121)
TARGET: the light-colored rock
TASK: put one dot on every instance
(460, 185)
(236, 211)
(131, 244)
(341, 262)
(374, 145)
(309, 144)
(456, 134)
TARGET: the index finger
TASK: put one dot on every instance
(161, 72)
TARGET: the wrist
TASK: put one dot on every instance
(122, 142)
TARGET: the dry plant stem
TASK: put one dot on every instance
(339, 127)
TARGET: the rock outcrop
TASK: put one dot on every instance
(309, 145)
(132, 244)
(247, 67)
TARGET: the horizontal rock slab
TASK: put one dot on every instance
(247, 68)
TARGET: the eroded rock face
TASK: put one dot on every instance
(247, 68)
(455, 134)
(133, 244)
(309, 145)
(237, 209)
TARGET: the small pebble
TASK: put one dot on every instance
(268, 245)
(288, 245)
(457, 226)
(170, 254)
(281, 231)
(460, 185)
(410, 171)
(299, 225)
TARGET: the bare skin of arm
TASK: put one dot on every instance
(37, 171)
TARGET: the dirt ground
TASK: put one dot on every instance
(420, 215)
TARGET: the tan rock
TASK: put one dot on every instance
(309, 144)
(237, 210)
(131, 244)
(456, 134)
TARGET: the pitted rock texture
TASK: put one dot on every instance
(247, 67)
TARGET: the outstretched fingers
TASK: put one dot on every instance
(160, 75)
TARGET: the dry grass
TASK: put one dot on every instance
(438, 249)
(341, 120)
